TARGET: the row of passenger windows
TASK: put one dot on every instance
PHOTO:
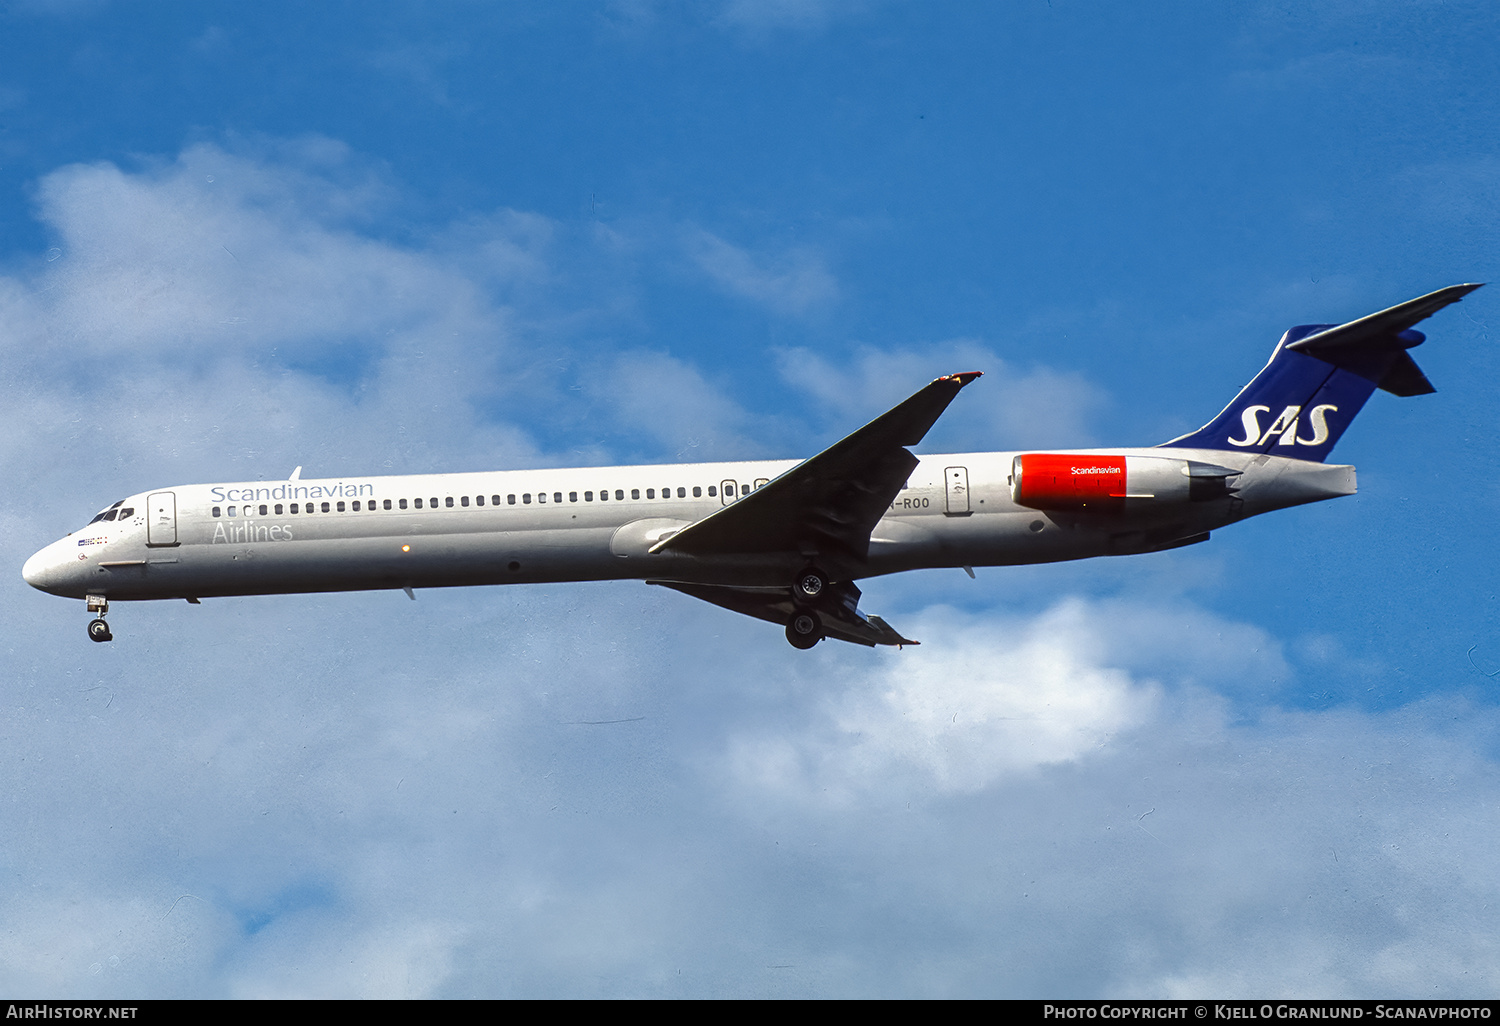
(524, 499)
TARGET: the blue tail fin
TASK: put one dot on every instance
(1319, 377)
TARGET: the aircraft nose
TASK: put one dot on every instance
(42, 571)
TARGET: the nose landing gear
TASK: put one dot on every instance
(98, 628)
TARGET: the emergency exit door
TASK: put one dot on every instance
(957, 479)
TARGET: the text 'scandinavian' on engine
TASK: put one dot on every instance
(784, 541)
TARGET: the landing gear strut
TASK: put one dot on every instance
(98, 629)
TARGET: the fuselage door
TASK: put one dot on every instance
(161, 518)
(958, 491)
(727, 491)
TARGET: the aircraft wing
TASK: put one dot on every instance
(826, 507)
(839, 614)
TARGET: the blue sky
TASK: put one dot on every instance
(376, 237)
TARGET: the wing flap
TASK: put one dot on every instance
(839, 613)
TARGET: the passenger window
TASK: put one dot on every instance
(464, 501)
(263, 510)
(510, 499)
(604, 495)
(697, 492)
(327, 510)
(231, 511)
(354, 505)
(417, 503)
(635, 493)
(278, 509)
(433, 503)
(403, 503)
(495, 500)
(572, 496)
(388, 504)
(620, 493)
(449, 502)
(341, 508)
(526, 498)
(541, 496)
(217, 511)
(294, 507)
(479, 500)
(744, 489)
(713, 491)
(588, 496)
(650, 493)
(682, 493)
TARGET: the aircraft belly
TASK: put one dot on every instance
(353, 564)
(1022, 536)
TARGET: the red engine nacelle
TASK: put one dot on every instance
(1062, 481)
(1050, 481)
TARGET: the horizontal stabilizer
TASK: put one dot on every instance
(1375, 346)
(1383, 327)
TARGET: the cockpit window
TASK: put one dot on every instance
(110, 513)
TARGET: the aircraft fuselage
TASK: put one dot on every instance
(599, 523)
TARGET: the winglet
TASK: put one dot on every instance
(963, 377)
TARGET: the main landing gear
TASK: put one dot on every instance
(805, 628)
(809, 586)
(98, 628)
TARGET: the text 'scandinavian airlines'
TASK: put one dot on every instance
(780, 540)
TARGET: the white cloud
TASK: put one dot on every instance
(793, 283)
(987, 697)
(1008, 407)
(760, 16)
(226, 314)
(666, 399)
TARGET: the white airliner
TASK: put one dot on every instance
(780, 540)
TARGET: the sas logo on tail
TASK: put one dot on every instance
(1284, 426)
